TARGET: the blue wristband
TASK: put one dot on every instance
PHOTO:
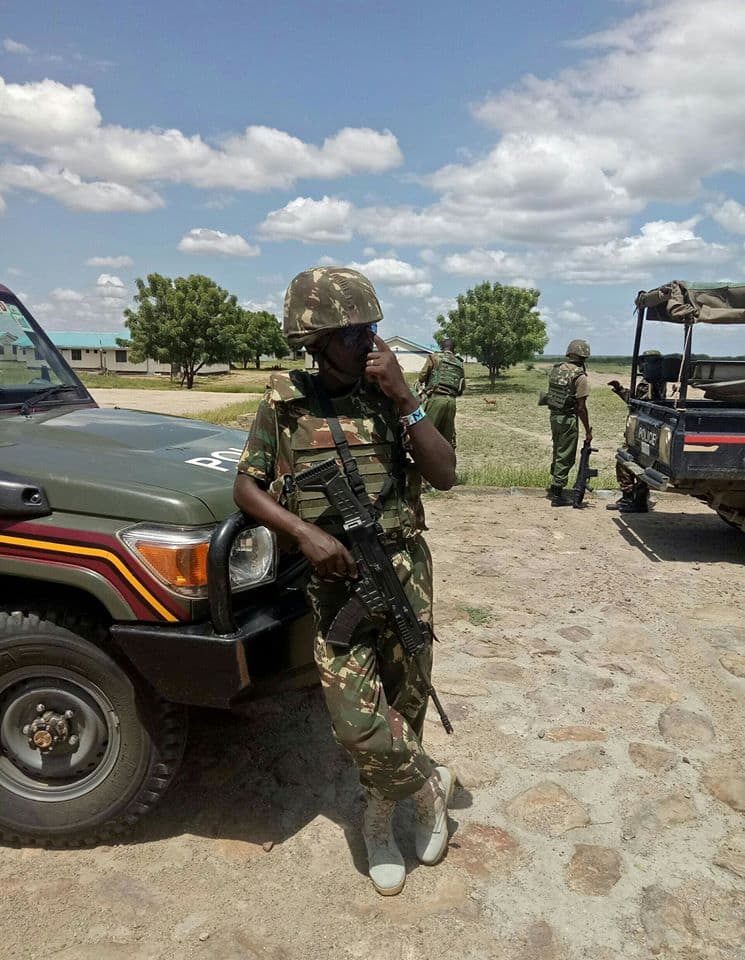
(409, 419)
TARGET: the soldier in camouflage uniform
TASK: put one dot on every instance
(635, 494)
(375, 696)
(442, 379)
(568, 389)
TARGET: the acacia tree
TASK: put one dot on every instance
(498, 325)
(187, 321)
(257, 333)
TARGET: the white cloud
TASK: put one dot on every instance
(111, 287)
(405, 279)
(13, 46)
(270, 304)
(65, 295)
(730, 215)
(649, 82)
(90, 196)
(312, 221)
(483, 263)
(62, 125)
(659, 243)
(36, 116)
(200, 240)
(651, 110)
(115, 262)
(97, 308)
(414, 290)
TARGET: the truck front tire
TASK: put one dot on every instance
(83, 752)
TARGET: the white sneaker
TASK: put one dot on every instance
(431, 820)
(386, 865)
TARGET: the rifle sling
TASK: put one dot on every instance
(345, 454)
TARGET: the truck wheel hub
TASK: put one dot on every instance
(50, 729)
(59, 734)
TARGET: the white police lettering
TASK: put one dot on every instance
(217, 458)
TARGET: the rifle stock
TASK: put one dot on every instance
(585, 473)
(377, 591)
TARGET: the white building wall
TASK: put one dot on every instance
(98, 360)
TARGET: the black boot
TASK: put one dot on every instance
(639, 502)
(625, 500)
(558, 498)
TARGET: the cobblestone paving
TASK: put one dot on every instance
(594, 668)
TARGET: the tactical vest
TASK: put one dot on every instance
(561, 382)
(447, 376)
(374, 445)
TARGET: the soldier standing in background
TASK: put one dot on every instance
(635, 494)
(359, 407)
(568, 389)
(442, 380)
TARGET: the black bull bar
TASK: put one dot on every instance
(249, 646)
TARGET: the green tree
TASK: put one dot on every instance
(187, 321)
(257, 333)
(498, 325)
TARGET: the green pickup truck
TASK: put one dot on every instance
(129, 589)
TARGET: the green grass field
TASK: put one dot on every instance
(508, 442)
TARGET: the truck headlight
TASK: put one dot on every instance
(663, 445)
(177, 556)
(631, 422)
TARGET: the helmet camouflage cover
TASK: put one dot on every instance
(325, 299)
(578, 348)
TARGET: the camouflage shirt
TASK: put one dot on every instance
(291, 434)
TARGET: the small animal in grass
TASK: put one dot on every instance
(490, 400)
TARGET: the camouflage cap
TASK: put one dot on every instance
(578, 348)
(325, 299)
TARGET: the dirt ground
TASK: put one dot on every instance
(166, 401)
(594, 669)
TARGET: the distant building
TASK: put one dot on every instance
(410, 355)
(90, 351)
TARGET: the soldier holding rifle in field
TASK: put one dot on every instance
(568, 390)
(358, 409)
(442, 379)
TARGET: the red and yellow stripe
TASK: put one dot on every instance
(65, 549)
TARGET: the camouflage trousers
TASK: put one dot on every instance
(441, 411)
(625, 478)
(374, 693)
(564, 434)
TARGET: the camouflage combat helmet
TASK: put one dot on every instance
(325, 299)
(578, 348)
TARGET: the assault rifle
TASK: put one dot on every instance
(584, 474)
(377, 592)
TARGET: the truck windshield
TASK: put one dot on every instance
(29, 364)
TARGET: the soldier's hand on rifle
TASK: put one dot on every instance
(327, 555)
(383, 369)
(588, 434)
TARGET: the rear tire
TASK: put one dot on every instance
(121, 749)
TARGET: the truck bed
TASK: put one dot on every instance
(702, 443)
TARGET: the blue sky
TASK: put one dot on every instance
(588, 149)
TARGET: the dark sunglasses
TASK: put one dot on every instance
(352, 336)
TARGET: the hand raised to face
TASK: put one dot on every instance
(383, 369)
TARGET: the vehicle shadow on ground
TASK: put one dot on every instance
(263, 775)
(682, 538)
